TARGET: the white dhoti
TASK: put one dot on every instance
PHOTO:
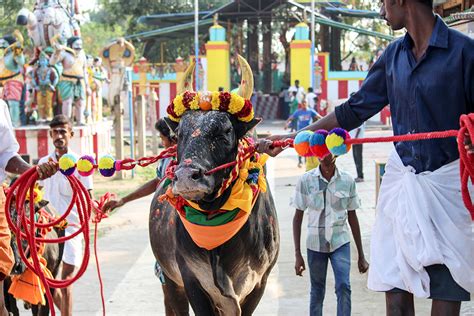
(421, 221)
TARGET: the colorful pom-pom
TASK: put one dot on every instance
(67, 164)
(301, 143)
(317, 144)
(336, 142)
(85, 166)
(107, 166)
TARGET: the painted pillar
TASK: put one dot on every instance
(218, 59)
(143, 69)
(300, 55)
(180, 68)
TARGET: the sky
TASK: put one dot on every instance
(87, 4)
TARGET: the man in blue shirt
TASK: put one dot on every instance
(303, 117)
(422, 239)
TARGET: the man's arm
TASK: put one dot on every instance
(355, 228)
(368, 101)
(299, 261)
(16, 165)
(145, 190)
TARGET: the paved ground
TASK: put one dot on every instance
(127, 262)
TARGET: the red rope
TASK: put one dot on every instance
(25, 228)
(403, 138)
(99, 216)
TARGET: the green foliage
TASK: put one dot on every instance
(8, 12)
(96, 36)
(127, 13)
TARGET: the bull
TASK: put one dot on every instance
(230, 279)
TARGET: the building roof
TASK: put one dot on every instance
(171, 26)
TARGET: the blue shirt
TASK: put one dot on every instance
(424, 96)
(304, 117)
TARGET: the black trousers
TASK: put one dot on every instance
(357, 153)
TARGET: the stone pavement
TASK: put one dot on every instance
(127, 262)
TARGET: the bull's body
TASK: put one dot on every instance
(230, 279)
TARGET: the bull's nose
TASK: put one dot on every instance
(195, 174)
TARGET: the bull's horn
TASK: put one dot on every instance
(186, 82)
(246, 85)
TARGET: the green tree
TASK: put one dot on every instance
(96, 36)
(127, 12)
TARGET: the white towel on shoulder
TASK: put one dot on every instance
(421, 220)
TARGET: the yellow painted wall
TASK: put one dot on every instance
(218, 66)
(301, 63)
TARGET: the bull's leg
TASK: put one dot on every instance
(251, 301)
(176, 302)
(197, 297)
(9, 303)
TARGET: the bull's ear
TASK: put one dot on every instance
(171, 124)
(241, 128)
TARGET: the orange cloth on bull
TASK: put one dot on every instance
(242, 197)
(210, 237)
(28, 286)
(7, 260)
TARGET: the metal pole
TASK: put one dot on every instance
(130, 116)
(196, 42)
(313, 48)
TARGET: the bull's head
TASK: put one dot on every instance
(206, 140)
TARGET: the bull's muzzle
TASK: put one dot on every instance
(191, 183)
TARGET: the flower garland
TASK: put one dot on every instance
(215, 101)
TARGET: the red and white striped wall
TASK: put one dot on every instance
(341, 89)
(94, 139)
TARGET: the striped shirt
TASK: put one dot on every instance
(326, 204)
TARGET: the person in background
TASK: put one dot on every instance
(354, 66)
(303, 117)
(58, 192)
(168, 140)
(310, 99)
(283, 103)
(300, 93)
(359, 132)
(329, 198)
(293, 107)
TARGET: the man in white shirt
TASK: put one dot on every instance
(10, 161)
(300, 93)
(310, 99)
(58, 192)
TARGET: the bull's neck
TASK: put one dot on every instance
(214, 204)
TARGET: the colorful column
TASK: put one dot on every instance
(301, 56)
(218, 59)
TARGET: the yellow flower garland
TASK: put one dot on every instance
(179, 107)
(215, 101)
(236, 103)
(194, 103)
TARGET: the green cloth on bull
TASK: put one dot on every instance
(201, 218)
(70, 89)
